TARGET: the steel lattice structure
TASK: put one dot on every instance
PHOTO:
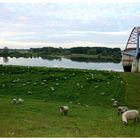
(132, 46)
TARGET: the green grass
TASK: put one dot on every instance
(39, 116)
(132, 89)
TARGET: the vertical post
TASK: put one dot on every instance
(136, 64)
(137, 49)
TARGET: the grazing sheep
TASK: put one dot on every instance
(14, 101)
(108, 83)
(52, 88)
(57, 84)
(115, 104)
(122, 109)
(112, 99)
(86, 105)
(64, 110)
(34, 83)
(42, 83)
(23, 84)
(102, 93)
(65, 78)
(3, 85)
(96, 86)
(20, 101)
(130, 115)
(78, 84)
(29, 92)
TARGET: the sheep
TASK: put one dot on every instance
(115, 104)
(122, 109)
(102, 93)
(112, 99)
(96, 86)
(130, 115)
(14, 101)
(20, 101)
(64, 110)
(52, 88)
(86, 105)
(57, 84)
(78, 84)
(29, 92)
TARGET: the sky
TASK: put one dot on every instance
(65, 23)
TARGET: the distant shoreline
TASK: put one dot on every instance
(80, 54)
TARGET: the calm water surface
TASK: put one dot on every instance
(63, 62)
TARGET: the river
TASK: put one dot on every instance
(63, 62)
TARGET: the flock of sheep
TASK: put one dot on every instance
(63, 109)
(128, 114)
(18, 101)
(122, 110)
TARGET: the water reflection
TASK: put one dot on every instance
(80, 59)
(72, 58)
(5, 59)
(61, 62)
(51, 58)
(90, 59)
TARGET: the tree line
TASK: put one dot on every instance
(78, 50)
(72, 53)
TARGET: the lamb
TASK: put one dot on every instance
(130, 115)
(14, 101)
(20, 101)
(64, 110)
(122, 109)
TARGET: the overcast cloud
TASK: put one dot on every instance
(26, 25)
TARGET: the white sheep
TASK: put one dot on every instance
(115, 104)
(86, 105)
(14, 101)
(112, 99)
(102, 93)
(130, 115)
(122, 109)
(64, 110)
(20, 101)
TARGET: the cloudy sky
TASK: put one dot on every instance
(67, 24)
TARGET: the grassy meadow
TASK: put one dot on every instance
(88, 93)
